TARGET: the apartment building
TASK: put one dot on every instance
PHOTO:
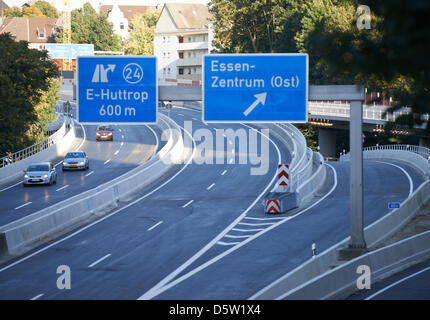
(181, 38)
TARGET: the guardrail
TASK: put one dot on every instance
(35, 148)
(422, 151)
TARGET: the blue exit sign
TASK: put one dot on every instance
(255, 88)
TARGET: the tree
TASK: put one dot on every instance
(25, 75)
(13, 12)
(90, 27)
(32, 12)
(47, 9)
(141, 39)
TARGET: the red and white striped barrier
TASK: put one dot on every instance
(273, 206)
(283, 184)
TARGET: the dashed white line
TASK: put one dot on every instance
(227, 243)
(100, 260)
(246, 230)
(107, 161)
(231, 160)
(25, 204)
(195, 119)
(89, 173)
(210, 187)
(188, 203)
(236, 237)
(122, 143)
(155, 225)
(63, 187)
(122, 136)
(116, 152)
(224, 172)
(230, 142)
(37, 297)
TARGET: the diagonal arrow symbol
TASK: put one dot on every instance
(261, 97)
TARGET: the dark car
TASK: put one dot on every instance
(104, 133)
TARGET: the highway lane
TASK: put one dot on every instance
(136, 247)
(252, 266)
(132, 146)
(410, 284)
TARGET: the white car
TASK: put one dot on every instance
(76, 160)
(40, 173)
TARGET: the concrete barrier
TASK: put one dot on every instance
(374, 234)
(310, 187)
(18, 236)
(14, 170)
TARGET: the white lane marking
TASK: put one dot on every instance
(411, 184)
(195, 119)
(116, 152)
(89, 173)
(180, 114)
(165, 283)
(231, 160)
(113, 213)
(232, 150)
(37, 297)
(14, 185)
(122, 143)
(122, 136)
(227, 243)
(397, 282)
(25, 204)
(246, 230)
(63, 187)
(188, 203)
(100, 260)
(159, 289)
(120, 130)
(210, 187)
(263, 219)
(107, 161)
(224, 172)
(230, 142)
(156, 140)
(224, 135)
(256, 224)
(236, 237)
(155, 225)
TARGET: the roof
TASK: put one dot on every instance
(189, 16)
(3, 6)
(29, 29)
(128, 11)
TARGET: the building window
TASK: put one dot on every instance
(189, 54)
(121, 25)
(189, 70)
(181, 71)
(181, 39)
(181, 55)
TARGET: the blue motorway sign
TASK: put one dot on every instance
(117, 89)
(255, 88)
(393, 205)
(69, 51)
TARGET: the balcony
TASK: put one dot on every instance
(193, 45)
(189, 62)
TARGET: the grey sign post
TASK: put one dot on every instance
(356, 95)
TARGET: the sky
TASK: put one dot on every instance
(95, 3)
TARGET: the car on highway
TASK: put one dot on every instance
(104, 133)
(40, 173)
(76, 160)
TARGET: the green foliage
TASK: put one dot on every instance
(47, 9)
(90, 27)
(13, 12)
(311, 135)
(32, 12)
(141, 39)
(25, 75)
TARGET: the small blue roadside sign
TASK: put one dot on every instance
(393, 205)
(117, 90)
(255, 88)
(69, 51)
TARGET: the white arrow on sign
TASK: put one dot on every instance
(261, 97)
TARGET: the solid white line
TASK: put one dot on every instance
(25, 204)
(89, 173)
(111, 214)
(63, 187)
(100, 260)
(256, 224)
(236, 237)
(156, 141)
(224, 172)
(227, 243)
(116, 152)
(246, 230)
(210, 187)
(411, 184)
(188, 203)
(397, 282)
(155, 225)
(37, 297)
(107, 161)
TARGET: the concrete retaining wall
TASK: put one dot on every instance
(374, 234)
(19, 235)
(14, 171)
